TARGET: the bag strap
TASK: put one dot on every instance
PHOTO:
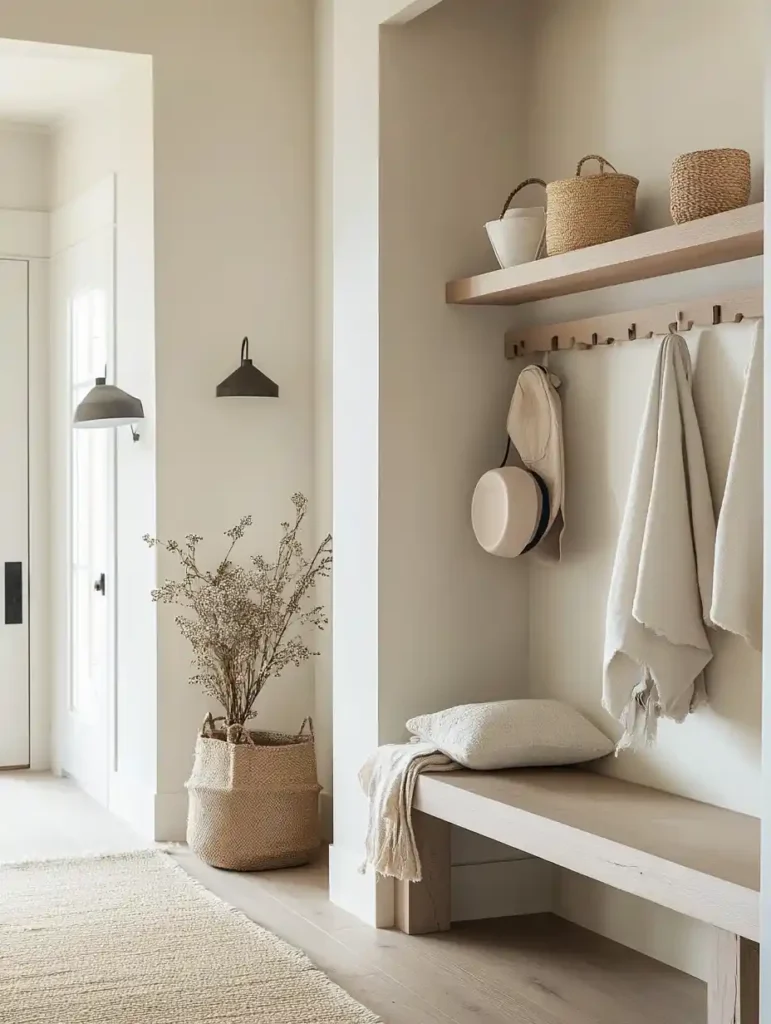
(522, 184)
(602, 161)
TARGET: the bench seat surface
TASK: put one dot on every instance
(692, 857)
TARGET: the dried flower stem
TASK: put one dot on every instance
(246, 623)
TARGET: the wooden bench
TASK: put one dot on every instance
(699, 860)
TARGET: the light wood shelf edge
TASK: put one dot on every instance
(722, 238)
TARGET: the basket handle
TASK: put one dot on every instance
(209, 726)
(309, 723)
(236, 733)
(522, 184)
(593, 156)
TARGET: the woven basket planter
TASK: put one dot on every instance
(589, 210)
(709, 181)
(253, 805)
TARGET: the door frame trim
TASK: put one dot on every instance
(83, 219)
(24, 237)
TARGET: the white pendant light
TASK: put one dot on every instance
(108, 406)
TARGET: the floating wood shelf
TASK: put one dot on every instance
(723, 238)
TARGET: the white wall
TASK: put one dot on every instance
(233, 185)
(591, 92)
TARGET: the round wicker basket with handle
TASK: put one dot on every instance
(589, 210)
(253, 798)
(709, 181)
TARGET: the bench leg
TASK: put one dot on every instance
(424, 907)
(733, 991)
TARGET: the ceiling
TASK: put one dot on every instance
(40, 83)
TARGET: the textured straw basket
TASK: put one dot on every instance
(588, 211)
(709, 181)
(253, 805)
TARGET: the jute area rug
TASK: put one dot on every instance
(132, 939)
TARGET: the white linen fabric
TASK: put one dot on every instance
(656, 643)
(388, 778)
(512, 734)
(737, 593)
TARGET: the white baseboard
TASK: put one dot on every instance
(366, 896)
(508, 888)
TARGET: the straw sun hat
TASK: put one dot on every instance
(513, 509)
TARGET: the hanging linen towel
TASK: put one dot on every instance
(389, 778)
(656, 644)
(737, 593)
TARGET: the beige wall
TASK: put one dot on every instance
(553, 81)
(233, 184)
(452, 620)
(640, 81)
(605, 79)
(25, 167)
(765, 949)
(422, 618)
(323, 378)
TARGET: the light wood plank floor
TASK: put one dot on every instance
(534, 970)
(523, 970)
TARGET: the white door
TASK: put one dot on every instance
(14, 516)
(91, 535)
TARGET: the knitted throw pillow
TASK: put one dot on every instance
(512, 734)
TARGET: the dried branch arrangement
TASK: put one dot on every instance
(246, 624)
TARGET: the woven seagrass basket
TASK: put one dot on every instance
(253, 799)
(589, 210)
(709, 181)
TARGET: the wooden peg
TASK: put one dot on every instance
(632, 332)
(594, 339)
(738, 318)
(717, 315)
(555, 343)
(673, 327)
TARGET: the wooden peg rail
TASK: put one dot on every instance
(613, 328)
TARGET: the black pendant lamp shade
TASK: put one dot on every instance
(247, 380)
(108, 406)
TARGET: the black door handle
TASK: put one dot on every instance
(14, 604)
(99, 585)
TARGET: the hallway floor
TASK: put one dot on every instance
(526, 970)
(43, 817)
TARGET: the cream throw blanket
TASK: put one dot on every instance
(737, 596)
(656, 644)
(389, 778)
